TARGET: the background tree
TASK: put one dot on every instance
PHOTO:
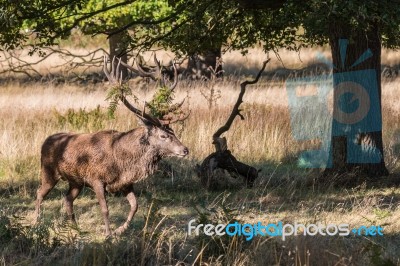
(44, 24)
(109, 22)
(295, 24)
(366, 25)
(240, 24)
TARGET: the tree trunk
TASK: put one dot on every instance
(356, 142)
(199, 64)
(118, 47)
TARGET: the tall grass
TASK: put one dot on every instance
(31, 112)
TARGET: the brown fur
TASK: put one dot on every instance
(106, 160)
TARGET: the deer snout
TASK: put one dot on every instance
(182, 152)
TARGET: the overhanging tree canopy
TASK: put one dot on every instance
(187, 23)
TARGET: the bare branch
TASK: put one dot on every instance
(236, 111)
(13, 62)
(222, 158)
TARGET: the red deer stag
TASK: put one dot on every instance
(107, 160)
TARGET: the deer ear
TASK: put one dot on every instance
(144, 121)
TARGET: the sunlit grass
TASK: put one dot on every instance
(31, 112)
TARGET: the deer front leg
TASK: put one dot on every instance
(71, 195)
(99, 190)
(130, 196)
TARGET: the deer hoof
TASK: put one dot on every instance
(120, 230)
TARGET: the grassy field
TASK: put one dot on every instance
(31, 111)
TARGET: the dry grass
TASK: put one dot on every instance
(31, 112)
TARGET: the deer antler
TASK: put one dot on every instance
(156, 73)
(116, 80)
(175, 82)
(167, 118)
(145, 71)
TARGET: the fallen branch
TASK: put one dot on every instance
(222, 158)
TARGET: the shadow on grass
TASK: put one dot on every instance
(279, 187)
(167, 245)
(278, 184)
(176, 192)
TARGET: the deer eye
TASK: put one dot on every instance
(163, 136)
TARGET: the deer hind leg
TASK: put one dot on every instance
(71, 195)
(130, 196)
(99, 190)
(49, 180)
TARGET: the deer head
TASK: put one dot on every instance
(159, 135)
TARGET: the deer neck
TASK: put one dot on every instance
(132, 150)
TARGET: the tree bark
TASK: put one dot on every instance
(118, 47)
(344, 157)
